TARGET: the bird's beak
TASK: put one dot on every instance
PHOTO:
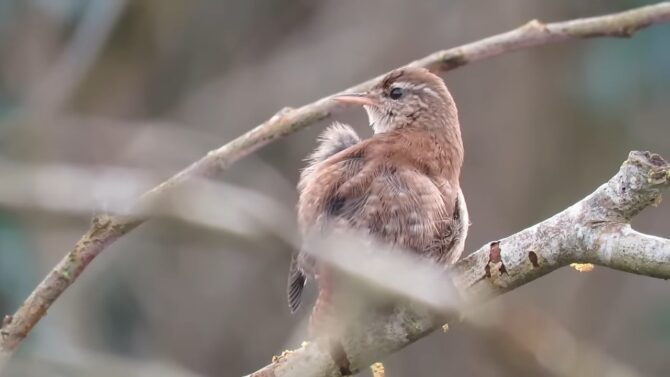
(355, 99)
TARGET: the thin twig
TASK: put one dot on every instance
(107, 229)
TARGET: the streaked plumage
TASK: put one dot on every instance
(400, 186)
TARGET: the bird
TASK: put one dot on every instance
(400, 187)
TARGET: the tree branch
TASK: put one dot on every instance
(106, 229)
(595, 230)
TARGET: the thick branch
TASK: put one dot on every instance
(595, 230)
(107, 229)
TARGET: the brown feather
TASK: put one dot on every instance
(400, 186)
(396, 187)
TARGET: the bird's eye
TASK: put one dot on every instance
(396, 93)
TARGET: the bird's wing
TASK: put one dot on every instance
(406, 208)
(393, 201)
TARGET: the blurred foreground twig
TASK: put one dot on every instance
(523, 338)
(107, 229)
(77, 190)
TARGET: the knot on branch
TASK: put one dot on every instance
(638, 183)
(658, 170)
(534, 25)
(281, 113)
(495, 261)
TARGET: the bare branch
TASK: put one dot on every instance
(625, 249)
(107, 229)
(595, 229)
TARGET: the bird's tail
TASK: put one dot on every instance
(333, 140)
(296, 283)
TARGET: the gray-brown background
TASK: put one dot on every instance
(174, 79)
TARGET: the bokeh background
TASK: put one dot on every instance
(99, 99)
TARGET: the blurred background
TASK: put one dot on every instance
(101, 99)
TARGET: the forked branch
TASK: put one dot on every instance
(595, 230)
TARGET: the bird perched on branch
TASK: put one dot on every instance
(400, 186)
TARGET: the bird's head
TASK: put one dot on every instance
(406, 97)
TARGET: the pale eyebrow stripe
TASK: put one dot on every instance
(431, 92)
(423, 87)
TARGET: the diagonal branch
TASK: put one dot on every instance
(106, 229)
(596, 229)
